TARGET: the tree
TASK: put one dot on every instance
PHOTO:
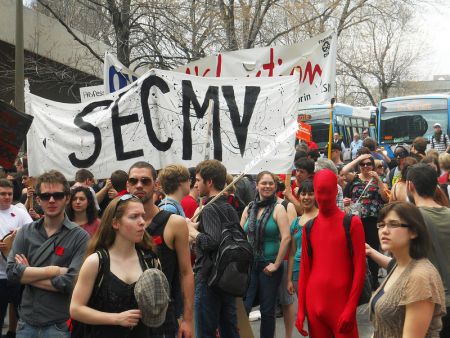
(379, 54)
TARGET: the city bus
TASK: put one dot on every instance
(347, 120)
(402, 119)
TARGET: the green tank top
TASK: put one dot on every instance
(271, 239)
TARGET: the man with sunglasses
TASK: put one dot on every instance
(171, 236)
(46, 257)
(11, 219)
(400, 153)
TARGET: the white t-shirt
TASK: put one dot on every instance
(10, 220)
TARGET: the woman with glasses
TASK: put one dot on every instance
(411, 301)
(109, 308)
(81, 209)
(266, 224)
(368, 194)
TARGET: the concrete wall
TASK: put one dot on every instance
(45, 36)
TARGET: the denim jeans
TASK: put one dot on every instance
(265, 287)
(24, 330)
(214, 310)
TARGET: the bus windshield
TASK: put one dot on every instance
(404, 120)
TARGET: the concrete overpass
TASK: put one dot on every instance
(55, 64)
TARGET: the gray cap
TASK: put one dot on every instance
(152, 294)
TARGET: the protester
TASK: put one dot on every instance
(174, 180)
(440, 196)
(355, 145)
(399, 191)
(266, 224)
(117, 252)
(115, 186)
(233, 200)
(338, 140)
(422, 184)
(418, 148)
(368, 204)
(400, 153)
(336, 156)
(85, 178)
(365, 134)
(12, 218)
(411, 300)
(304, 170)
(444, 163)
(214, 309)
(81, 210)
(29, 197)
(285, 299)
(170, 234)
(308, 201)
(190, 201)
(324, 163)
(439, 140)
(45, 257)
(331, 278)
(379, 168)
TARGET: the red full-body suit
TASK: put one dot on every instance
(330, 281)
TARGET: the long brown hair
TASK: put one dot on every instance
(105, 236)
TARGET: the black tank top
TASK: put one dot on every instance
(169, 265)
(115, 296)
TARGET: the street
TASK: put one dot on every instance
(364, 326)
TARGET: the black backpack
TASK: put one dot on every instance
(233, 261)
(366, 292)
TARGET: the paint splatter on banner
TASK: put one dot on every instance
(161, 119)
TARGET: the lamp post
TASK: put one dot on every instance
(19, 101)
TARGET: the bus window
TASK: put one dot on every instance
(404, 120)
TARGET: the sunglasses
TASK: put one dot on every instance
(57, 196)
(143, 180)
(365, 164)
(380, 166)
(123, 198)
(391, 225)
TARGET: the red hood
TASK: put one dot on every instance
(325, 191)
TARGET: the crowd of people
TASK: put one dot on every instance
(131, 255)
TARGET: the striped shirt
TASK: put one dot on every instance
(441, 145)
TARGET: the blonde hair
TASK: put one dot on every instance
(444, 161)
(171, 176)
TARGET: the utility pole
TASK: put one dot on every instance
(19, 101)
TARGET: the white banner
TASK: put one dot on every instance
(90, 93)
(313, 61)
(161, 119)
(116, 76)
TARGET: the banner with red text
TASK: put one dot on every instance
(313, 61)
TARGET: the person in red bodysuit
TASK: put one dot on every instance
(330, 283)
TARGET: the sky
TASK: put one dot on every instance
(433, 25)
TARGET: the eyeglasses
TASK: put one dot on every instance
(123, 198)
(365, 164)
(57, 196)
(143, 180)
(380, 166)
(392, 225)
